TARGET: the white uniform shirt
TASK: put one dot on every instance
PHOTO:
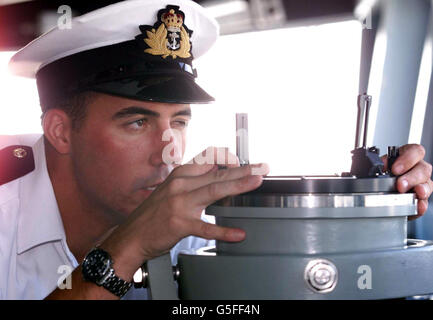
(34, 254)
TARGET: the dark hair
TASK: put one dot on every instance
(74, 105)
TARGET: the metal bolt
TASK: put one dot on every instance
(176, 273)
(321, 275)
(141, 276)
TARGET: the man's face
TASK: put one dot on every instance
(117, 153)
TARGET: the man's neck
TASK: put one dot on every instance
(85, 223)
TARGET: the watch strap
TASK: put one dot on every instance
(116, 285)
(98, 268)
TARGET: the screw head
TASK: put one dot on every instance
(321, 275)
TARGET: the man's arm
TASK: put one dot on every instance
(172, 212)
(125, 261)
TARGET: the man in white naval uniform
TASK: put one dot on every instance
(103, 191)
(35, 257)
(113, 101)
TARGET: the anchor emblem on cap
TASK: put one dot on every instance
(169, 36)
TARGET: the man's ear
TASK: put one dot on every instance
(57, 129)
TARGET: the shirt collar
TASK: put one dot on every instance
(39, 217)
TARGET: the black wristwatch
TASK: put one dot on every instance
(97, 267)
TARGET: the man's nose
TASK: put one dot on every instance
(167, 147)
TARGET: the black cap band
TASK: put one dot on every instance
(121, 69)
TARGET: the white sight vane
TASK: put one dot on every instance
(242, 138)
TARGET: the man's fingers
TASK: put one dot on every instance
(420, 174)
(410, 155)
(206, 161)
(218, 156)
(189, 183)
(421, 209)
(212, 231)
(218, 190)
(228, 174)
(424, 190)
(192, 170)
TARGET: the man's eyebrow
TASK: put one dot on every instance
(186, 112)
(129, 111)
(133, 111)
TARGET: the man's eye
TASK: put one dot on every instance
(181, 123)
(137, 124)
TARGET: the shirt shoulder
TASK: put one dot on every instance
(16, 157)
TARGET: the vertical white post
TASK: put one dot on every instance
(242, 138)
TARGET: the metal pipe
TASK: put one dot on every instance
(364, 103)
(367, 101)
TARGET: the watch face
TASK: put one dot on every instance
(96, 265)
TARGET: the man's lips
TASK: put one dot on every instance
(152, 187)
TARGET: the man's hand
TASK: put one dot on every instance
(414, 173)
(174, 209)
(172, 212)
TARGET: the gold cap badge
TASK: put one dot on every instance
(169, 36)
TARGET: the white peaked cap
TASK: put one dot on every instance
(110, 25)
(127, 49)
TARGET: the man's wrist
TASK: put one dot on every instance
(98, 268)
(126, 258)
